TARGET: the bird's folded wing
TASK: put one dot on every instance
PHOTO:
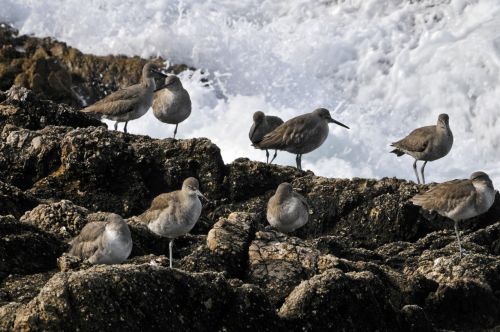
(417, 140)
(159, 204)
(118, 102)
(446, 196)
(294, 131)
(86, 243)
(303, 200)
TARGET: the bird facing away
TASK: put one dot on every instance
(459, 199)
(287, 210)
(171, 103)
(262, 125)
(129, 103)
(175, 213)
(301, 134)
(426, 143)
(103, 242)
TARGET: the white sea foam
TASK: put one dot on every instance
(398, 64)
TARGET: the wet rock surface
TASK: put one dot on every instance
(367, 260)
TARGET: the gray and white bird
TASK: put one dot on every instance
(286, 209)
(129, 103)
(103, 242)
(459, 199)
(426, 143)
(171, 103)
(301, 134)
(262, 125)
(175, 213)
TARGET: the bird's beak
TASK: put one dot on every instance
(200, 195)
(159, 72)
(331, 120)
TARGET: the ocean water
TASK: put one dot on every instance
(397, 65)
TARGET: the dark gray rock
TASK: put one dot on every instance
(108, 298)
(25, 249)
(14, 201)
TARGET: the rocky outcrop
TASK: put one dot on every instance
(110, 298)
(334, 300)
(63, 219)
(26, 249)
(367, 260)
(77, 164)
(61, 73)
(14, 201)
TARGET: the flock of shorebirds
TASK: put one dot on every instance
(174, 214)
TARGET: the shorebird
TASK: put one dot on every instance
(171, 103)
(129, 103)
(459, 199)
(175, 213)
(262, 125)
(301, 134)
(103, 242)
(426, 143)
(287, 210)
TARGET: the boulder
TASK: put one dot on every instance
(63, 219)
(132, 297)
(337, 301)
(14, 201)
(229, 241)
(25, 249)
(278, 263)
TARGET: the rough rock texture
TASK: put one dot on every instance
(26, 249)
(14, 201)
(63, 218)
(62, 73)
(334, 300)
(367, 260)
(59, 162)
(278, 263)
(110, 298)
(23, 108)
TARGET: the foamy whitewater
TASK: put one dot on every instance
(396, 64)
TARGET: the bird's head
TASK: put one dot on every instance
(481, 179)
(150, 70)
(258, 117)
(191, 187)
(324, 114)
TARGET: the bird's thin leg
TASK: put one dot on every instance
(170, 249)
(299, 161)
(175, 130)
(125, 127)
(274, 157)
(415, 169)
(267, 156)
(458, 238)
(116, 125)
(422, 171)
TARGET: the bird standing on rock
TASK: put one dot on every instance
(459, 199)
(103, 242)
(286, 209)
(262, 125)
(175, 213)
(426, 143)
(131, 102)
(171, 103)
(301, 134)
